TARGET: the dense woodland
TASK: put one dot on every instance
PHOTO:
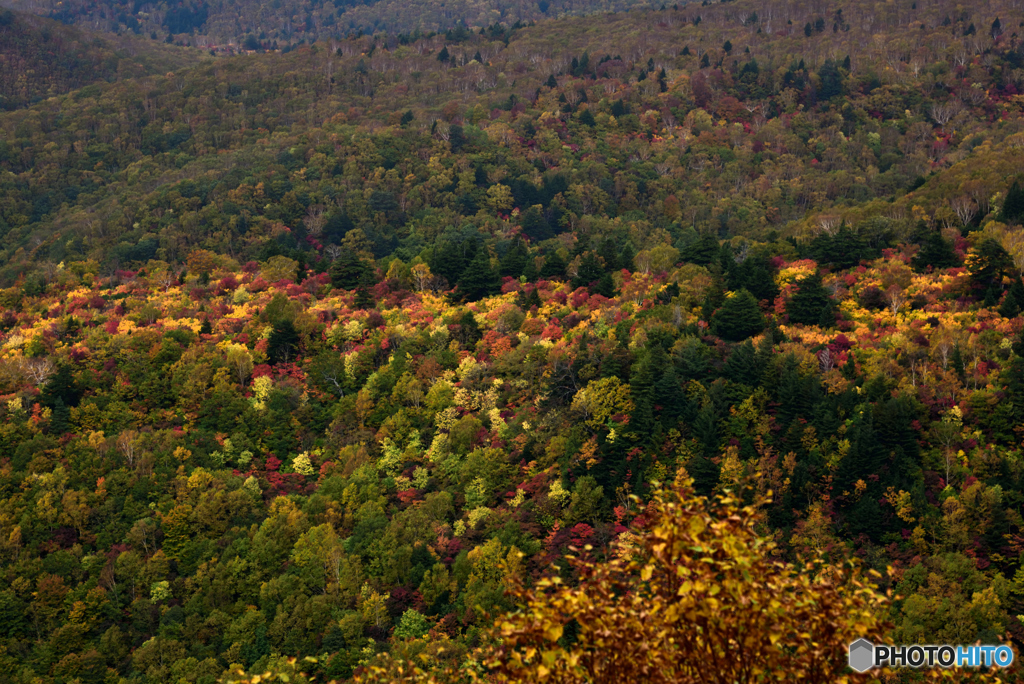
(333, 353)
(40, 58)
(250, 23)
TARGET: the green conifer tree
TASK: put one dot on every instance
(283, 342)
(738, 318)
(479, 280)
(811, 303)
(554, 266)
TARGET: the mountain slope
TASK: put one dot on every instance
(41, 58)
(660, 124)
(221, 22)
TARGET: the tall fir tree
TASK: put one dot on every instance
(811, 304)
(1013, 302)
(936, 252)
(283, 342)
(738, 318)
(590, 271)
(1013, 205)
(347, 270)
(514, 262)
(479, 280)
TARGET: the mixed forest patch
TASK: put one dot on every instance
(331, 354)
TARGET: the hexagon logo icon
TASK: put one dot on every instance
(862, 655)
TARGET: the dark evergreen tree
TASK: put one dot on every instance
(703, 467)
(641, 383)
(1013, 302)
(627, 255)
(530, 272)
(450, 257)
(1012, 375)
(670, 292)
(811, 303)
(738, 318)
(713, 299)
(605, 286)
(61, 387)
(703, 251)
(532, 299)
(936, 252)
(669, 396)
(364, 291)
(986, 266)
(590, 271)
(756, 275)
(347, 270)
(609, 251)
(283, 342)
(845, 249)
(514, 262)
(831, 80)
(743, 365)
(479, 280)
(1013, 205)
(535, 225)
(554, 266)
(468, 333)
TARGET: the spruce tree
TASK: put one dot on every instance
(283, 342)
(364, 291)
(61, 387)
(479, 280)
(554, 266)
(704, 251)
(738, 318)
(469, 332)
(610, 253)
(811, 303)
(668, 394)
(514, 262)
(347, 270)
(1013, 205)
(936, 252)
(1014, 300)
(589, 271)
(605, 286)
(531, 300)
(743, 366)
(986, 265)
(641, 383)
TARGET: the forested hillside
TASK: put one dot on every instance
(703, 124)
(250, 23)
(331, 354)
(40, 58)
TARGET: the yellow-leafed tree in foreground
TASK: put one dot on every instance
(696, 594)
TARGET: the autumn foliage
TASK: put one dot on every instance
(697, 594)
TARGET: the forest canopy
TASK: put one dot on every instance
(380, 351)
